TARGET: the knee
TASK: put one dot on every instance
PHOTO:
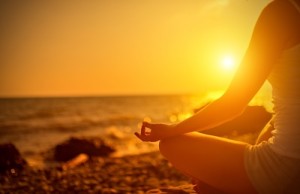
(164, 146)
(167, 146)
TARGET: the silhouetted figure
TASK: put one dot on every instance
(273, 164)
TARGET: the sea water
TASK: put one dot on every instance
(36, 125)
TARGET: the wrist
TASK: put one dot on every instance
(176, 128)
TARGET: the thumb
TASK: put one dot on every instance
(146, 124)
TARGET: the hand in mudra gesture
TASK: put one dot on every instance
(151, 132)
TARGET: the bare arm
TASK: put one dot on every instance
(273, 32)
(270, 36)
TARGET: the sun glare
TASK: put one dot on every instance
(227, 63)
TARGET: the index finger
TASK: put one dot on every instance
(138, 135)
(146, 124)
(142, 138)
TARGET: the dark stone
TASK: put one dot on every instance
(182, 189)
(10, 159)
(252, 120)
(75, 146)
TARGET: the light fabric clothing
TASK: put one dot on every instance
(270, 172)
(285, 81)
(273, 166)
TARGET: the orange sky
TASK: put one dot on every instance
(97, 47)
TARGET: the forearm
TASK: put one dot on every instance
(214, 114)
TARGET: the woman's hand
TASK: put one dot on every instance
(151, 132)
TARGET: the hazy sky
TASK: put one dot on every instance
(63, 48)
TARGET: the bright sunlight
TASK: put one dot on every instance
(228, 63)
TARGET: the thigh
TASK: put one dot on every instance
(216, 161)
(271, 172)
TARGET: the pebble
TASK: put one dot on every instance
(183, 189)
(129, 174)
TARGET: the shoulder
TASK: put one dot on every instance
(284, 10)
(282, 19)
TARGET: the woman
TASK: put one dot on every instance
(272, 165)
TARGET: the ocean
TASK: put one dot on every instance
(35, 125)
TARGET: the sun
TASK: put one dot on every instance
(227, 63)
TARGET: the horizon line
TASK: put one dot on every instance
(102, 95)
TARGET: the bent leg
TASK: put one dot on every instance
(204, 188)
(216, 161)
(265, 134)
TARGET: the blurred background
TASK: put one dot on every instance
(84, 48)
(101, 67)
(78, 76)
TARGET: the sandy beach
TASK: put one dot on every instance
(134, 167)
(128, 174)
(139, 173)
